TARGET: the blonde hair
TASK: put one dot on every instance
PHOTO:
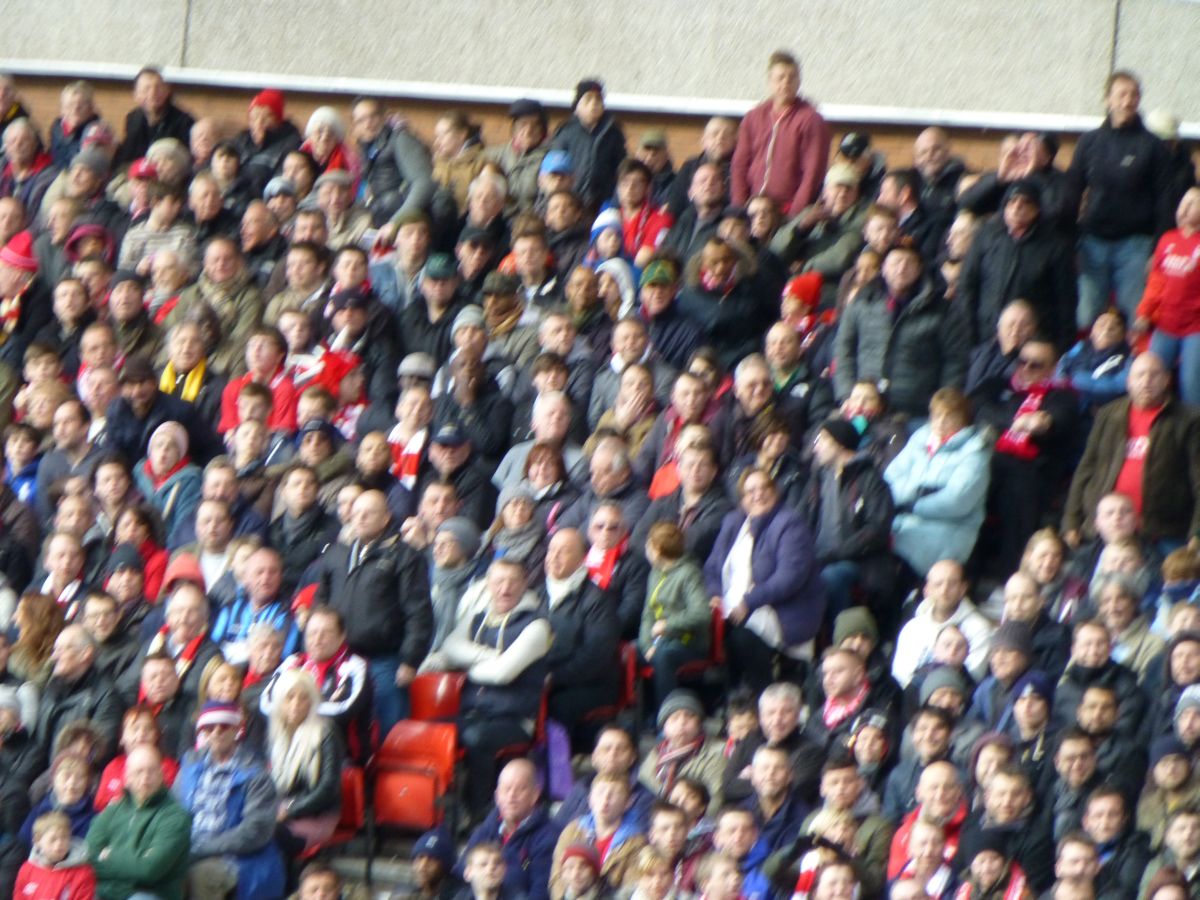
(51, 821)
(295, 754)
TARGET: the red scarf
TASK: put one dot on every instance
(320, 670)
(159, 481)
(1021, 445)
(186, 656)
(838, 711)
(252, 678)
(601, 563)
(406, 458)
(165, 309)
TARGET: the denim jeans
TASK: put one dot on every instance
(840, 579)
(390, 703)
(1186, 351)
(1109, 269)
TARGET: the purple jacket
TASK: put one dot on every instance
(785, 575)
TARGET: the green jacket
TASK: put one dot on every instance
(676, 594)
(147, 847)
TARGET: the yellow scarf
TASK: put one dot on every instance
(191, 384)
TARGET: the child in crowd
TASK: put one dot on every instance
(653, 877)
(41, 365)
(57, 868)
(1098, 365)
(21, 458)
(741, 717)
(484, 874)
(719, 878)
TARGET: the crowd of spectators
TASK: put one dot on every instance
(887, 469)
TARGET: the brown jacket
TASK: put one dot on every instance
(1170, 482)
(617, 865)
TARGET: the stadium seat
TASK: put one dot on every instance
(435, 696)
(414, 775)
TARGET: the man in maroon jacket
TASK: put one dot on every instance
(783, 143)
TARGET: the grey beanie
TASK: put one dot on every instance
(93, 159)
(468, 316)
(511, 492)
(941, 677)
(675, 701)
(1189, 699)
(464, 531)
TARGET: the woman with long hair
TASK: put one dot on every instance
(306, 754)
(39, 619)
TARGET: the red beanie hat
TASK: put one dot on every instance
(18, 252)
(272, 100)
(806, 288)
(586, 852)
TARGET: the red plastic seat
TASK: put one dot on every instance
(435, 696)
(354, 813)
(414, 774)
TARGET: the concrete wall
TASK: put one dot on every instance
(931, 58)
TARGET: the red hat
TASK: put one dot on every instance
(806, 288)
(143, 168)
(586, 852)
(18, 253)
(184, 567)
(272, 100)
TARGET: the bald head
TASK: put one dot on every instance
(565, 553)
(1149, 381)
(369, 516)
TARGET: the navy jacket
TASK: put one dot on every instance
(528, 853)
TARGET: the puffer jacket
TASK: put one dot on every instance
(595, 153)
(939, 496)
(921, 348)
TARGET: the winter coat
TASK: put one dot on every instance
(703, 522)
(731, 321)
(259, 162)
(397, 173)
(521, 170)
(172, 122)
(70, 879)
(88, 697)
(1171, 477)
(829, 248)
(1098, 375)
(129, 434)
(307, 798)
(504, 656)
(248, 833)
(1029, 844)
(674, 336)
(784, 572)
(706, 765)
(384, 599)
(783, 156)
(528, 852)
(866, 519)
(1126, 173)
(584, 649)
(676, 595)
(914, 644)
(914, 352)
(302, 545)
(147, 847)
(1038, 267)
(1075, 681)
(620, 861)
(806, 755)
(940, 496)
(239, 307)
(595, 154)
(176, 498)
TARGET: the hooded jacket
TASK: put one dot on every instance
(70, 879)
(939, 495)
(915, 351)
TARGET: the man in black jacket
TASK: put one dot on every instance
(268, 138)
(1017, 256)
(850, 512)
(76, 690)
(142, 407)
(305, 529)
(1124, 851)
(155, 117)
(1125, 171)
(584, 671)
(381, 588)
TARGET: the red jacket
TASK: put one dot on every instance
(783, 156)
(1172, 297)
(283, 407)
(72, 879)
(899, 852)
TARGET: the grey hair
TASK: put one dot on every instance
(782, 690)
(488, 178)
(326, 116)
(753, 361)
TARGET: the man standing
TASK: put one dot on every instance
(783, 143)
(1146, 446)
(381, 588)
(155, 117)
(1125, 171)
(138, 845)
